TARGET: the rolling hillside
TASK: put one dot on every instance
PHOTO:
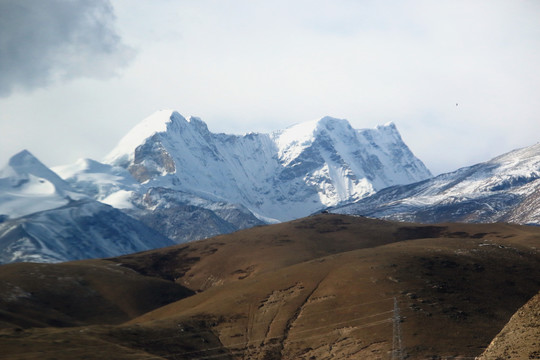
(323, 287)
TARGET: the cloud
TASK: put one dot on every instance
(42, 42)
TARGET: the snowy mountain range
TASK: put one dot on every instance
(283, 175)
(172, 180)
(504, 189)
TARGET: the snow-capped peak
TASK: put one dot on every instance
(390, 131)
(24, 158)
(283, 175)
(389, 124)
(524, 159)
(27, 186)
(330, 122)
(197, 123)
(505, 189)
(24, 165)
(308, 129)
(158, 122)
(295, 139)
(161, 122)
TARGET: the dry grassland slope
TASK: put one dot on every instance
(323, 287)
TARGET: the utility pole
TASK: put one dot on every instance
(397, 350)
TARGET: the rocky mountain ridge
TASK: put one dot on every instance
(504, 189)
(282, 175)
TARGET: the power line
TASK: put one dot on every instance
(251, 324)
(397, 350)
(239, 327)
(242, 345)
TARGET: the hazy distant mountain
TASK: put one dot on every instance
(506, 188)
(43, 219)
(80, 230)
(28, 186)
(283, 175)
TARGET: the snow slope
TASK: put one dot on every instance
(506, 188)
(175, 214)
(103, 182)
(283, 175)
(28, 186)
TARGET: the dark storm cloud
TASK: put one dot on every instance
(42, 41)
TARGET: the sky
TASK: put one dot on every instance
(460, 79)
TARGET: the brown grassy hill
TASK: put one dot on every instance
(79, 293)
(324, 287)
(520, 338)
(227, 258)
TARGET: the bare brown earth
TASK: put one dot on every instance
(323, 287)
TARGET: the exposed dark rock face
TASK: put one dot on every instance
(151, 160)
